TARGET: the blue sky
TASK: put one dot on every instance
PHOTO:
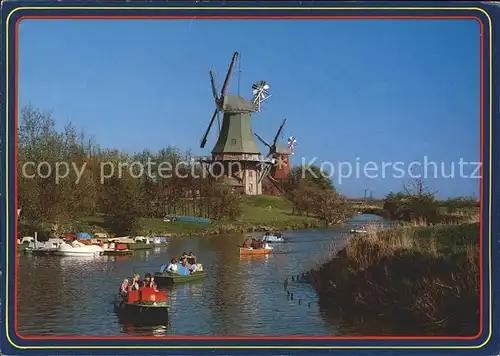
(380, 90)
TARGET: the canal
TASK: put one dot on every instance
(241, 295)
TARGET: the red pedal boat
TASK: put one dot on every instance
(144, 307)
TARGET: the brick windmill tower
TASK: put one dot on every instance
(235, 156)
(280, 155)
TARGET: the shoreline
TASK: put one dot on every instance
(225, 229)
(194, 229)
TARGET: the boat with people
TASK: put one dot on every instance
(142, 303)
(76, 248)
(272, 237)
(187, 270)
(252, 246)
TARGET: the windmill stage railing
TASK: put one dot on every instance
(235, 157)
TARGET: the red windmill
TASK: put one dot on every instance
(280, 155)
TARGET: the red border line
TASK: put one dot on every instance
(481, 272)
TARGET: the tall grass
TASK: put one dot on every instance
(425, 279)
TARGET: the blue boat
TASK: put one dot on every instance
(191, 219)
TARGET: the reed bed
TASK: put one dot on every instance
(425, 279)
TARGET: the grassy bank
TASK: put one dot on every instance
(259, 213)
(420, 279)
(445, 216)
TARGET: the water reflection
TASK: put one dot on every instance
(250, 258)
(130, 329)
(192, 290)
(241, 295)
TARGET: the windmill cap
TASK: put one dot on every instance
(283, 150)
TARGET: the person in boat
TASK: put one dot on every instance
(124, 288)
(149, 281)
(191, 258)
(185, 261)
(247, 243)
(172, 267)
(191, 263)
(192, 268)
(184, 268)
(154, 285)
(136, 282)
(258, 244)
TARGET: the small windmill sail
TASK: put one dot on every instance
(260, 93)
(291, 144)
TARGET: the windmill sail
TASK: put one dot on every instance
(219, 99)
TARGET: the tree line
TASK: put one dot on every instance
(312, 193)
(417, 202)
(122, 199)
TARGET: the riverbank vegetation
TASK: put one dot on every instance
(421, 275)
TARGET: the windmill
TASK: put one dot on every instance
(235, 151)
(272, 148)
(279, 156)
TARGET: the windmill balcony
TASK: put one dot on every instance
(236, 157)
